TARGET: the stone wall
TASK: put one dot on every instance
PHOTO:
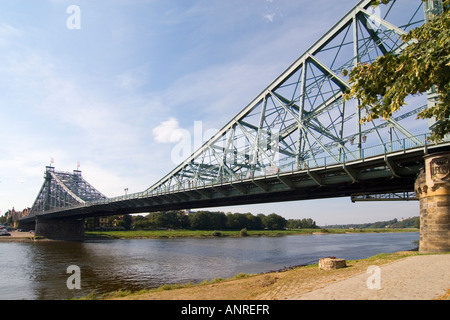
(432, 187)
(60, 229)
(331, 263)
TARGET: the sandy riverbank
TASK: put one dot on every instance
(423, 277)
(404, 276)
(18, 236)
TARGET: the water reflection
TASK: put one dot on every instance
(38, 270)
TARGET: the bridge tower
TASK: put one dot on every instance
(61, 190)
(433, 189)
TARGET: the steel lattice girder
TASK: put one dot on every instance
(399, 196)
(63, 189)
(300, 120)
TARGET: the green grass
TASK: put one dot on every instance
(162, 234)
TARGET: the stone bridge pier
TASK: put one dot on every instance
(432, 187)
(60, 229)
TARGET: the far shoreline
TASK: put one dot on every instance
(17, 236)
(184, 233)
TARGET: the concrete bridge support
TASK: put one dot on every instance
(60, 229)
(26, 226)
(433, 189)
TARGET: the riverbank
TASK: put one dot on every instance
(18, 236)
(162, 234)
(404, 275)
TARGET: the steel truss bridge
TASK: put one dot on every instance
(298, 139)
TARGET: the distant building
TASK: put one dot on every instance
(13, 216)
(103, 222)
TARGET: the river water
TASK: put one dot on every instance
(38, 270)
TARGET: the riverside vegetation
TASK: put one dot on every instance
(161, 234)
(170, 224)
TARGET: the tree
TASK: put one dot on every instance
(124, 221)
(301, 223)
(141, 222)
(254, 222)
(236, 221)
(199, 220)
(217, 220)
(423, 66)
(182, 220)
(274, 222)
(173, 219)
(416, 223)
(127, 221)
(206, 220)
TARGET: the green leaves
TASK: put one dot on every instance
(377, 2)
(381, 87)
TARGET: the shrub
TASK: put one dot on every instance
(217, 233)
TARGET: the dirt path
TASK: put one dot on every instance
(415, 278)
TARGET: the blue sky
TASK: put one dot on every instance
(108, 95)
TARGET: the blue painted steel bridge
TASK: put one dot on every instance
(298, 139)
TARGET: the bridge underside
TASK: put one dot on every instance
(60, 229)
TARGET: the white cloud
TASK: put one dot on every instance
(269, 17)
(271, 11)
(168, 131)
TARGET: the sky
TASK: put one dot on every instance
(108, 85)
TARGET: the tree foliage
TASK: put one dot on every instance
(413, 222)
(209, 220)
(301, 223)
(424, 65)
(274, 222)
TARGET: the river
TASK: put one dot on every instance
(38, 270)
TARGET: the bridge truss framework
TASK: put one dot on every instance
(301, 121)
